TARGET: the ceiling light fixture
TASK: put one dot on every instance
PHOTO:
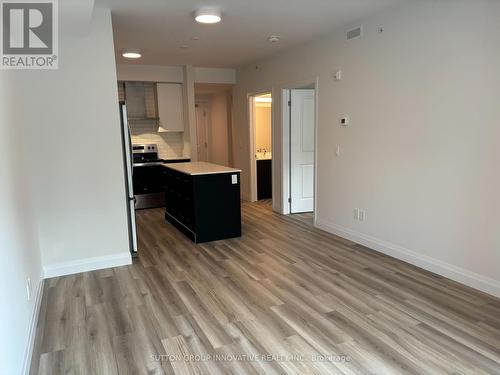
(207, 16)
(273, 38)
(132, 53)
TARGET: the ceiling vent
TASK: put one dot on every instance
(357, 32)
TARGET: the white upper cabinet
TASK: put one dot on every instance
(170, 108)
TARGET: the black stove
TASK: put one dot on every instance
(148, 176)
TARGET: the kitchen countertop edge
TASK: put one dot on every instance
(222, 169)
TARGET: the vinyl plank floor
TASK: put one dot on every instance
(285, 298)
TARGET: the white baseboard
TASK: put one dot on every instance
(461, 275)
(28, 351)
(88, 264)
(61, 269)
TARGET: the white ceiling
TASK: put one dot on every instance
(160, 27)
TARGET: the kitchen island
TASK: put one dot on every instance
(203, 200)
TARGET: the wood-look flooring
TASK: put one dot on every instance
(284, 298)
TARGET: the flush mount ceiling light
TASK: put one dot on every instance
(132, 53)
(273, 38)
(207, 16)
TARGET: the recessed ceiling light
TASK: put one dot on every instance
(195, 38)
(207, 16)
(132, 53)
(183, 46)
(273, 38)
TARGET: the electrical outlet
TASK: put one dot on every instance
(356, 214)
(362, 215)
(28, 289)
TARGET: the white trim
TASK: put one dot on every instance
(61, 269)
(253, 166)
(88, 264)
(461, 275)
(285, 152)
(28, 352)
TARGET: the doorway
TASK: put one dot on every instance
(202, 126)
(302, 108)
(213, 109)
(261, 148)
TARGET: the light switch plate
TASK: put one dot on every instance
(234, 179)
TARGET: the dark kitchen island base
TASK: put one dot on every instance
(205, 206)
(150, 183)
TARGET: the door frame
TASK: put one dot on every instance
(205, 104)
(253, 161)
(285, 141)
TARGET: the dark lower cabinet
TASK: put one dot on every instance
(150, 184)
(204, 207)
(264, 179)
(148, 179)
(149, 187)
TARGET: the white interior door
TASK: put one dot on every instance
(302, 150)
(201, 132)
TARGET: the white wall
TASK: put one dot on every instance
(62, 188)
(421, 154)
(19, 251)
(150, 73)
(165, 73)
(76, 177)
(214, 75)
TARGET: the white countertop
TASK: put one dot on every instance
(176, 158)
(200, 168)
(268, 155)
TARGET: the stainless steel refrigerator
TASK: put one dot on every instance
(129, 170)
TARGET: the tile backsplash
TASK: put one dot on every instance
(170, 144)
